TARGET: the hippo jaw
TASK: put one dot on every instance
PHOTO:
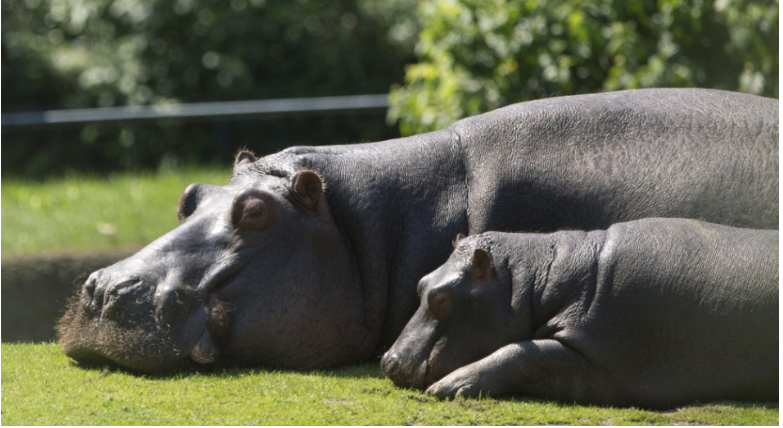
(92, 342)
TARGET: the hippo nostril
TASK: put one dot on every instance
(113, 290)
(125, 283)
(91, 284)
(98, 290)
(88, 292)
(389, 363)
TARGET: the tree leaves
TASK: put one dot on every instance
(477, 55)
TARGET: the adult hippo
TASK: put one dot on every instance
(310, 257)
(652, 313)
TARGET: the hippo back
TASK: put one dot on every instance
(589, 161)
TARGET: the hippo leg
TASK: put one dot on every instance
(539, 367)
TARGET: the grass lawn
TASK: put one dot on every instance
(41, 387)
(83, 213)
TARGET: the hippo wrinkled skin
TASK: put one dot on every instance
(309, 258)
(653, 313)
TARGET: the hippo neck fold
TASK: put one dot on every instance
(401, 224)
(556, 296)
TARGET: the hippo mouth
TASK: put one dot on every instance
(147, 328)
(151, 345)
(424, 376)
(406, 372)
(217, 278)
(430, 375)
(207, 348)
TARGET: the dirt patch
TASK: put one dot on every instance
(36, 288)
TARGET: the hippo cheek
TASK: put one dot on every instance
(283, 323)
(296, 303)
(462, 344)
(276, 332)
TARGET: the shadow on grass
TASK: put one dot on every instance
(529, 399)
(750, 405)
(370, 369)
(696, 405)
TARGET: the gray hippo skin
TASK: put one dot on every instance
(310, 257)
(652, 313)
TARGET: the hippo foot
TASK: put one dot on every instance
(463, 382)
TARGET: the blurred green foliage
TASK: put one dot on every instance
(129, 52)
(477, 55)
(60, 54)
(474, 56)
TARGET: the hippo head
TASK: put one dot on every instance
(464, 315)
(256, 273)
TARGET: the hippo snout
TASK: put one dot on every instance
(129, 318)
(403, 372)
(100, 289)
(390, 362)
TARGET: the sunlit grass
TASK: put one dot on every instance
(87, 213)
(41, 387)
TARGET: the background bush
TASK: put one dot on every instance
(477, 55)
(473, 56)
(60, 54)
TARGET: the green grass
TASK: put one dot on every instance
(81, 213)
(41, 387)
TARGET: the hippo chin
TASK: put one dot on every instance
(310, 257)
(653, 313)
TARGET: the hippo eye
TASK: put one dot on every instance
(440, 302)
(253, 210)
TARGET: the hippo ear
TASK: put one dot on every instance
(243, 158)
(308, 188)
(480, 265)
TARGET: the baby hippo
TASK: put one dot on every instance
(653, 313)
